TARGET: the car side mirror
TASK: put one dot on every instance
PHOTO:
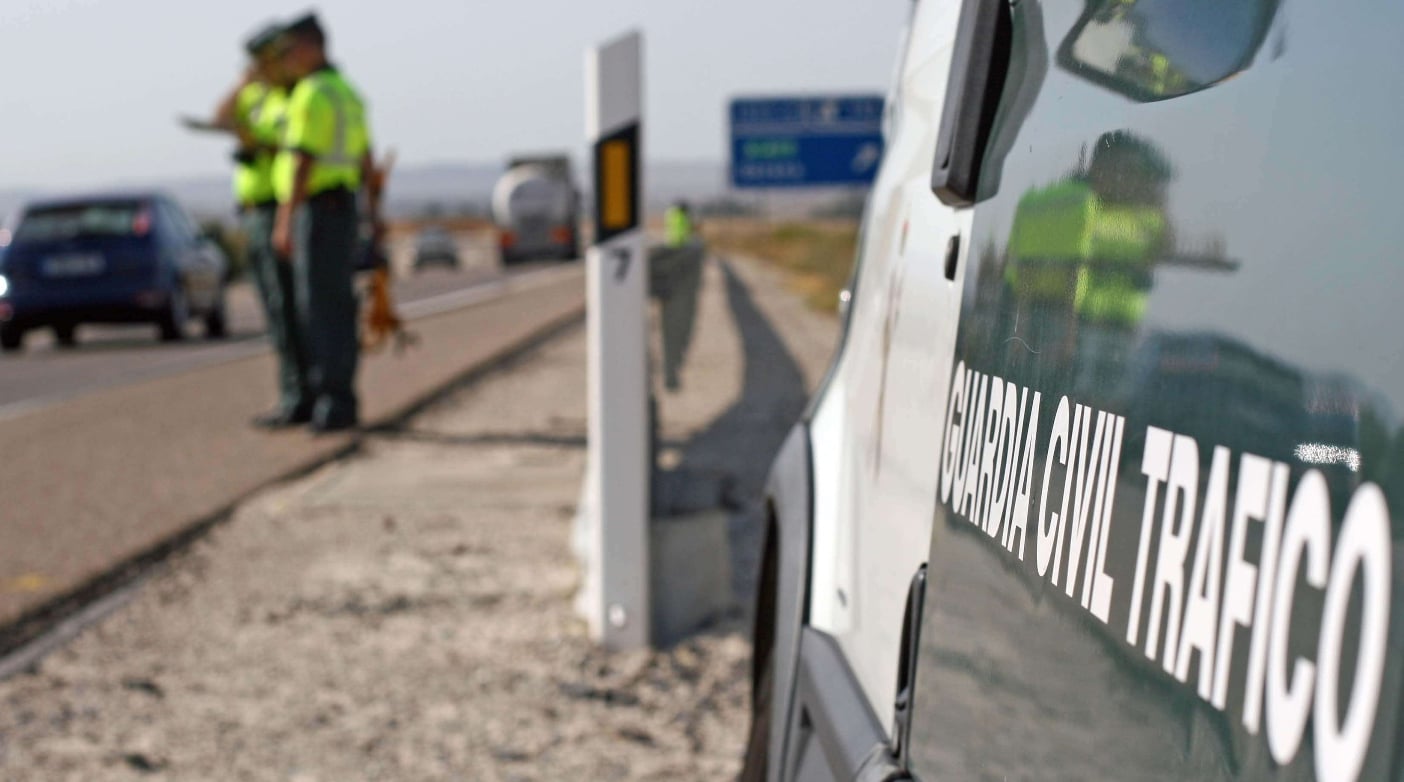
(1150, 50)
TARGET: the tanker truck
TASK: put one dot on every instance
(536, 207)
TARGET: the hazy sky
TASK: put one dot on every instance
(89, 89)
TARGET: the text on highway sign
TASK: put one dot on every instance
(805, 141)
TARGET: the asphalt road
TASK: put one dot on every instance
(114, 447)
(110, 356)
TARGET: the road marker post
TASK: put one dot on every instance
(612, 535)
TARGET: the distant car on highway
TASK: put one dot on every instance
(128, 257)
(537, 210)
(435, 246)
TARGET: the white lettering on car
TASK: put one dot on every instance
(1207, 580)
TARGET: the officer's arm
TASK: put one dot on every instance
(282, 225)
(301, 174)
(308, 135)
(226, 113)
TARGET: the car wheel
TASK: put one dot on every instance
(11, 338)
(173, 320)
(216, 324)
(66, 335)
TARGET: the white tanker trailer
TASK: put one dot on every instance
(537, 210)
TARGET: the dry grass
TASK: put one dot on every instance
(816, 255)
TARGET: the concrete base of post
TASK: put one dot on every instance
(690, 573)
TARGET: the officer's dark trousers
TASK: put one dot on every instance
(323, 245)
(276, 288)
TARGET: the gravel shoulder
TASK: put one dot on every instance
(405, 614)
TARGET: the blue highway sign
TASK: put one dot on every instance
(811, 141)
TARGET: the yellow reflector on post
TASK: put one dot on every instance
(616, 180)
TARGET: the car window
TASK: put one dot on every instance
(176, 225)
(185, 226)
(70, 221)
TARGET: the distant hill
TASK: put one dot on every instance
(452, 186)
(466, 188)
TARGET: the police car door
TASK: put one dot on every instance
(874, 427)
(1167, 537)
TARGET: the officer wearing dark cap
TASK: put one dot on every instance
(322, 167)
(256, 112)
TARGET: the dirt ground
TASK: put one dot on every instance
(405, 614)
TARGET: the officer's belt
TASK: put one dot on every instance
(331, 194)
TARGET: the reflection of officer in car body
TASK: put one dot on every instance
(1085, 246)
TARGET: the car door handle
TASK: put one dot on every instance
(952, 256)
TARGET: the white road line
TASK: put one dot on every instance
(473, 294)
(27, 656)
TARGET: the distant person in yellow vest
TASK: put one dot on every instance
(677, 278)
(319, 173)
(255, 110)
(677, 224)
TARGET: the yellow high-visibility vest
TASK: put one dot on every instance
(677, 228)
(261, 110)
(326, 121)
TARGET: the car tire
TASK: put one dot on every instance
(216, 321)
(66, 335)
(173, 320)
(11, 338)
(756, 763)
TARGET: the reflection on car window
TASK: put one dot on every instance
(1157, 49)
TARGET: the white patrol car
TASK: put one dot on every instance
(1107, 477)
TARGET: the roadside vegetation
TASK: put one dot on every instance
(817, 255)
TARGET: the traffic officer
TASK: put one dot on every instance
(324, 160)
(677, 224)
(255, 111)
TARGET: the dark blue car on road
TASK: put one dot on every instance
(131, 257)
